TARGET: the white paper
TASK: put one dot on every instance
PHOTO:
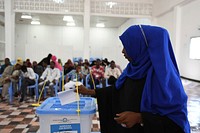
(68, 96)
(72, 85)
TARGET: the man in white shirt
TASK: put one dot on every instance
(28, 78)
(112, 73)
(50, 76)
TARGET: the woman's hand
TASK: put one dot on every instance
(128, 118)
(84, 91)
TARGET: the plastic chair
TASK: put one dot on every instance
(0, 86)
(61, 81)
(55, 88)
(35, 86)
(87, 84)
(107, 83)
(10, 92)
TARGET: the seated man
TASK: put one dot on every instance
(68, 67)
(85, 70)
(6, 63)
(97, 74)
(10, 74)
(49, 77)
(112, 73)
(28, 78)
(37, 68)
(74, 75)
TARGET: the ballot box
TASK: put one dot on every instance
(57, 118)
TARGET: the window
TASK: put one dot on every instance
(195, 48)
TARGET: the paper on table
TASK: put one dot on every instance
(68, 96)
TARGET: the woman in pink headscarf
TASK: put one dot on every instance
(57, 65)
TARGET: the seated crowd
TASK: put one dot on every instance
(50, 73)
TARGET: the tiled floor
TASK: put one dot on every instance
(193, 91)
(21, 118)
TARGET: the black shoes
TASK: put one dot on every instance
(16, 94)
(21, 99)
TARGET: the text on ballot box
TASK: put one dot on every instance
(57, 118)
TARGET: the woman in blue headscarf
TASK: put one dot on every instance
(148, 97)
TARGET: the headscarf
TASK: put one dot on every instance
(57, 65)
(152, 56)
(70, 63)
(19, 61)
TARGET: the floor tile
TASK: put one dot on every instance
(21, 126)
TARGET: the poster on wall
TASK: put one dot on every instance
(65, 124)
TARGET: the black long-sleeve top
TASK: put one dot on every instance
(128, 98)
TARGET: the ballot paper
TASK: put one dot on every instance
(69, 96)
(72, 85)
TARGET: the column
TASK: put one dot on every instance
(9, 29)
(177, 32)
(86, 44)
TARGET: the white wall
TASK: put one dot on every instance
(167, 21)
(162, 6)
(2, 44)
(121, 60)
(103, 42)
(2, 33)
(35, 42)
(188, 24)
(130, 22)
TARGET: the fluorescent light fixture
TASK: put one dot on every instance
(100, 25)
(70, 24)
(59, 1)
(25, 16)
(35, 22)
(68, 18)
(111, 4)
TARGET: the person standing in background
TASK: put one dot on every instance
(46, 59)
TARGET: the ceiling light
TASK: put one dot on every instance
(70, 24)
(100, 25)
(68, 18)
(111, 4)
(35, 22)
(25, 16)
(59, 1)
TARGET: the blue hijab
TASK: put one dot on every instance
(152, 56)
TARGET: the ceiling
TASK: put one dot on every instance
(57, 20)
(111, 22)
